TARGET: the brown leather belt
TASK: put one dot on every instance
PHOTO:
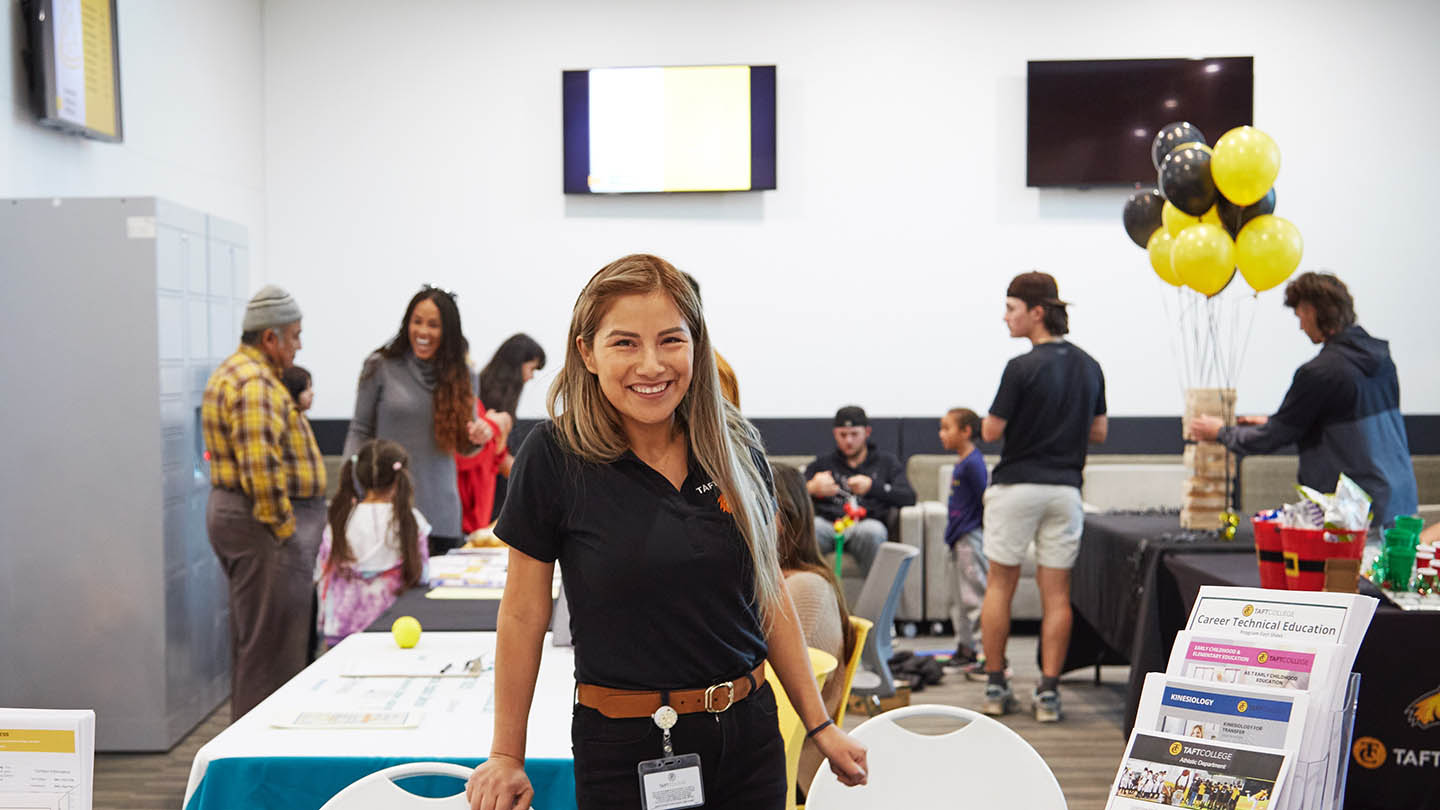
(622, 703)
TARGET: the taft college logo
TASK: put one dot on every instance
(1424, 711)
(1175, 749)
(1369, 752)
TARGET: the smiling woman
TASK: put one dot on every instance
(653, 494)
(416, 391)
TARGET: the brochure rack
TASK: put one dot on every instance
(1322, 781)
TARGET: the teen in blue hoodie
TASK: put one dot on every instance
(1343, 407)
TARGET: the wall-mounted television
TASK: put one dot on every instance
(661, 129)
(1090, 123)
(72, 55)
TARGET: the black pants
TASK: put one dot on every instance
(742, 758)
(440, 546)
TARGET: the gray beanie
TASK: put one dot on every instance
(270, 307)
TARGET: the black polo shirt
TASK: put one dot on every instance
(659, 581)
(1049, 397)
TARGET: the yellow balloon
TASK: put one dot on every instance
(1204, 258)
(1268, 250)
(406, 631)
(1244, 164)
(1159, 247)
(1212, 217)
(1176, 220)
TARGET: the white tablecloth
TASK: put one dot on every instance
(457, 713)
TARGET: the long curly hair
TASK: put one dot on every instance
(503, 377)
(454, 400)
(724, 443)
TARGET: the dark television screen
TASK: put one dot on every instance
(1090, 123)
(664, 129)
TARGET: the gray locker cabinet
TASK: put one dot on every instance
(110, 595)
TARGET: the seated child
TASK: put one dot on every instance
(966, 565)
(374, 545)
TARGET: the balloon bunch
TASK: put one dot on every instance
(1213, 211)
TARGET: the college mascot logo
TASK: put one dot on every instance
(1263, 657)
(1424, 711)
(1369, 752)
(1242, 706)
(1175, 749)
(1249, 610)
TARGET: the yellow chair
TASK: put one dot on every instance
(792, 729)
(862, 630)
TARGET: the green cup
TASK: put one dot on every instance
(1412, 524)
(1399, 564)
(1401, 538)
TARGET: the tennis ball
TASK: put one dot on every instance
(406, 631)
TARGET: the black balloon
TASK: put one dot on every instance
(1234, 217)
(1186, 182)
(1142, 215)
(1171, 136)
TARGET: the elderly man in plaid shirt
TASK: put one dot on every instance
(267, 500)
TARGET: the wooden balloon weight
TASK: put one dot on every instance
(1207, 491)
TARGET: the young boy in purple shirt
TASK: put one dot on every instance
(966, 566)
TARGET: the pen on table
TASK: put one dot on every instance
(444, 669)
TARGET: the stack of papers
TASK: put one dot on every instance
(1248, 712)
(47, 758)
(474, 573)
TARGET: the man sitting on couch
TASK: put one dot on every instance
(857, 471)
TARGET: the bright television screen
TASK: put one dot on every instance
(659, 129)
(73, 52)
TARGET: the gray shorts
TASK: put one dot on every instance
(1048, 515)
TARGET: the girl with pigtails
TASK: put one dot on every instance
(375, 541)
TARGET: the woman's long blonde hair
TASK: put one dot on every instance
(724, 442)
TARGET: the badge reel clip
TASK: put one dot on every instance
(671, 782)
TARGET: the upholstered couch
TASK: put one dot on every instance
(1268, 481)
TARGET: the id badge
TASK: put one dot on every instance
(671, 783)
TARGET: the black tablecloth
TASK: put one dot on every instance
(1399, 665)
(440, 614)
(1121, 616)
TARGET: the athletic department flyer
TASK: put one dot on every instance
(1165, 771)
(1271, 718)
(1220, 660)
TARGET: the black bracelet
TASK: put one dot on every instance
(816, 730)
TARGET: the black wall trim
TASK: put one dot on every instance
(906, 436)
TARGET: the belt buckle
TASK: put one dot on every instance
(710, 694)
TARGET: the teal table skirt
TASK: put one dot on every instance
(306, 783)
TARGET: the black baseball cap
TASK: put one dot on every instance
(851, 416)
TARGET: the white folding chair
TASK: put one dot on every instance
(378, 791)
(983, 761)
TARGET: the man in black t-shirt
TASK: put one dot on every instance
(1050, 405)
(873, 479)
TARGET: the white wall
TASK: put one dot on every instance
(191, 81)
(415, 142)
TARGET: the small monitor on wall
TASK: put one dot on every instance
(1090, 123)
(73, 59)
(660, 129)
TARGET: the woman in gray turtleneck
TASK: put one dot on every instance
(416, 390)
